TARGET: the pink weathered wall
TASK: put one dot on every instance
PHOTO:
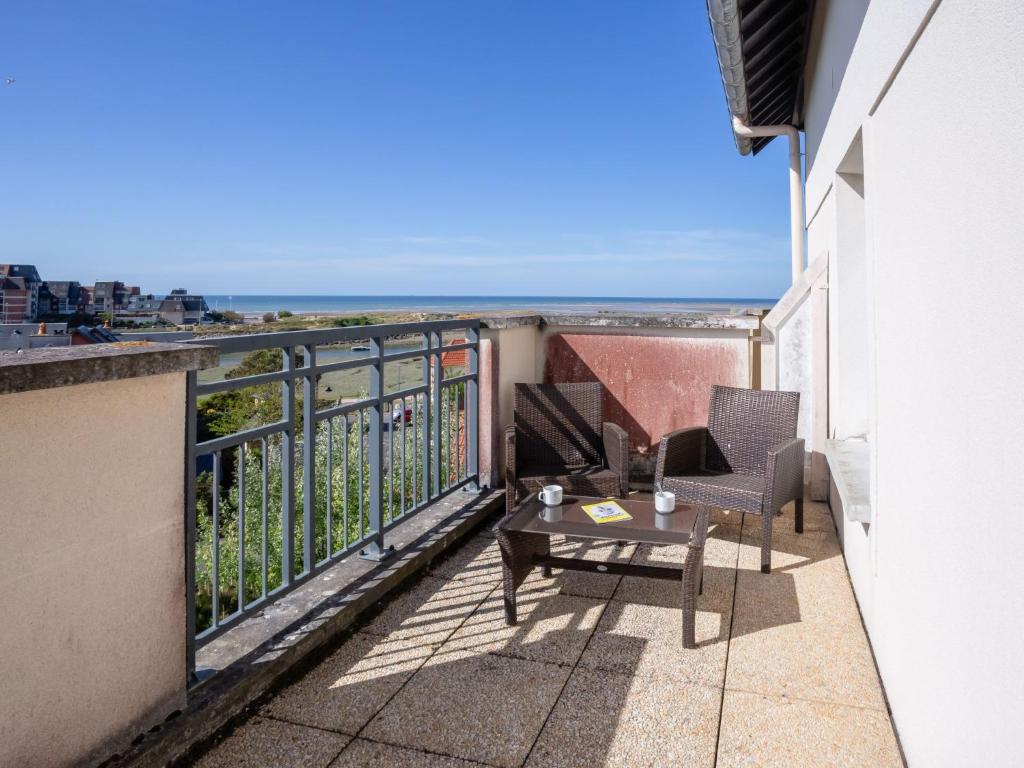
(654, 384)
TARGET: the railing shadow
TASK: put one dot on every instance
(481, 691)
(438, 670)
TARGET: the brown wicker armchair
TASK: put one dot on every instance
(558, 437)
(747, 459)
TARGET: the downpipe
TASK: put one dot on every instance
(796, 187)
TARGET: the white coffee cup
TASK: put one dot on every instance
(551, 495)
(664, 501)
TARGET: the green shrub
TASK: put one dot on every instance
(348, 322)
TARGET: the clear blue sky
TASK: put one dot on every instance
(424, 146)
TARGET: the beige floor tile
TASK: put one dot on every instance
(720, 548)
(599, 586)
(348, 688)
(583, 583)
(716, 597)
(552, 628)
(263, 743)
(789, 550)
(822, 661)
(361, 753)
(430, 611)
(725, 517)
(816, 591)
(478, 560)
(474, 706)
(768, 731)
(722, 545)
(818, 517)
(606, 719)
(600, 550)
(646, 640)
(660, 555)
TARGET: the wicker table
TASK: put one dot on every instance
(525, 541)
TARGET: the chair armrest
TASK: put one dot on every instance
(510, 469)
(616, 453)
(785, 474)
(680, 452)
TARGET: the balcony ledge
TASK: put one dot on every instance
(745, 320)
(850, 463)
(91, 363)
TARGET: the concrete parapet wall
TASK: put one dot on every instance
(657, 370)
(92, 578)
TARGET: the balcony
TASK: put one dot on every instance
(199, 627)
(594, 674)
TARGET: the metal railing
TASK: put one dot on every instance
(283, 479)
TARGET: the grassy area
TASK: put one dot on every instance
(304, 322)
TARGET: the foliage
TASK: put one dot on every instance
(225, 413)
(268, 317)
(348, 322)
(284, 313)
(226, 316)
(341, 449)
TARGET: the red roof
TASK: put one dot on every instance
(458, 358)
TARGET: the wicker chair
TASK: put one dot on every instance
(558, 437)
(747, 459)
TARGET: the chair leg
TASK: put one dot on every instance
(766, 542)
(511, 617)
(545, 571)
(799, 515)
(689, 612)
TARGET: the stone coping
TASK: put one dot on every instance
(744, 320)
(52, 367)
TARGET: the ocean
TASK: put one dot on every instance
(251, 304)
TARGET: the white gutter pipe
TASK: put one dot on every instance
(796, 187)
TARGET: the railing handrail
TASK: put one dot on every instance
(251, 342)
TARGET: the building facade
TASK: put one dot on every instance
(912, 111)
(180, 307)
(65, 297)
(19, 293)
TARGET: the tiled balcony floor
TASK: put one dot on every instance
(595, 674)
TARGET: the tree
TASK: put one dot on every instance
(225, 413)
(282, 314)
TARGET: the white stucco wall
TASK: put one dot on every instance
(937, 571)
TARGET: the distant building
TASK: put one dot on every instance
(19, 293)
(65, 297)
(109, 296)
(103, 296)
(180, 308)
(15, 336)
(139, 309)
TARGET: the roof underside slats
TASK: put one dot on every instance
(773, 41)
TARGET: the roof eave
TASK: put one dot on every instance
(724, 17)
